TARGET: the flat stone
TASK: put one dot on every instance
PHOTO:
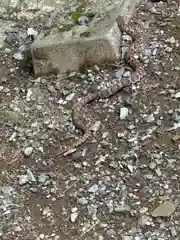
(164, 210)
(60, 52)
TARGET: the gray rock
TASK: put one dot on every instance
(150, 118)
(158, 172)
(30, 176)
(83, 20)
(127, 74)
(126, 37)
(42, 178)
(94, 48)
(123, 51)
(114, 164)
(149, 176)
(62, 49)
(111, 233)
(92, 210)
(77, 156)
(82, 201)
(18, 56)
(172, 40)
(120, 73)
(70, 97)
(42, 236)
(123, 113)
(51, 88)
(32, 32)
(102, 189)
(168, 49)
(46, 211)
(145, 220)
(177, 95)
(74, 216)
(147, 52)
(125, 237)
(164, 210)
(6, 190)
(93, 189)
(23, 179)
(122, 208)
(173, 231)
(18, 229)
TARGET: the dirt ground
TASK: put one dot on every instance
(121, 184)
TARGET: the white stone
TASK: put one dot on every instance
(70, 97)
(123, 113)
(177, 95)
(18, 56)
(32, 32)
(41, 236)
(74, 216)
(28, 151)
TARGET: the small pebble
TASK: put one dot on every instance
(82, 201)
(127, 38)
(177, 95)
(94, 188)
(164, 210)
(123, 113)
(23, 179)
(127, 74)
(41, 236)
(18, 56)
(42, 178)
(70, 97)
(74, 209)
(111, 233)
(122, 208)
(150, 118)
(32, 32)
(28, 151)
(120, 73)
(168, 49)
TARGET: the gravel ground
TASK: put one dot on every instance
(123, 183)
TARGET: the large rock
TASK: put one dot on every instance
(60, 51)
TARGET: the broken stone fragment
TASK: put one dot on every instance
(164, 210)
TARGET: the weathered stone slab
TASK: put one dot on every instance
(99, 42)
(64, 51)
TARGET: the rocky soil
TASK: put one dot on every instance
(123, 183)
